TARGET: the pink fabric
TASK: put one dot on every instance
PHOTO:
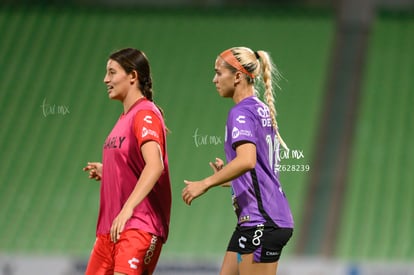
(122, 166)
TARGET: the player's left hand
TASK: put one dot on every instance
(217, 165)
(193, 190)
(119, 223)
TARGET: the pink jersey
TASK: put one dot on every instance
(122, 166)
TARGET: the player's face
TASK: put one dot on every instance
(117, 80)
(223, 79)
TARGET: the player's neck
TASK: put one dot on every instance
(131, 99)
(243, 93)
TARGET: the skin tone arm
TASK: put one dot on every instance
(244, 161)
(152, 171)
(217, 166)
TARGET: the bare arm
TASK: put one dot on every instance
(152, 171)
(244, 161)
(217, 166)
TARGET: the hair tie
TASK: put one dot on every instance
(257, 55)
(229, 57)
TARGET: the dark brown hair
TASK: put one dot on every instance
(135, 60)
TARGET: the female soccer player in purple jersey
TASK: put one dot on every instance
(252, 141)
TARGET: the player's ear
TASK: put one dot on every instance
(133, 76)
(238, 77)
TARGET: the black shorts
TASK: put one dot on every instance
(266, 242)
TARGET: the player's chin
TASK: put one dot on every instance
(221, 93)
(113, 95)
(226, 95)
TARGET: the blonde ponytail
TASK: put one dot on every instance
(270, 76)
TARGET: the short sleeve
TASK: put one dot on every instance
(148, 127)
(242, 126)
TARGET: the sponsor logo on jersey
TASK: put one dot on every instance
(146, 132)
(241, 119)
(148, 119)
(133, 263)
(114, 142)
(264, 113)
(235, 133)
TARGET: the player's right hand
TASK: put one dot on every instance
(95, 170)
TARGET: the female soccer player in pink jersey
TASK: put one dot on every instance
(135, 200)
(252, 140)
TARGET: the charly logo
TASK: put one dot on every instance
(151, 249)
(148, 119)
(53, 109)
(133, 263)
(242, 242)
(241, 119)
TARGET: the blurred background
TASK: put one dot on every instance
(344, 111)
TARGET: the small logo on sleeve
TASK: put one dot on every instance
(235, 133)
(146, 132)
(148, 119)
(241, 119)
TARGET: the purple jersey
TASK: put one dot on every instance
(257, 194)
